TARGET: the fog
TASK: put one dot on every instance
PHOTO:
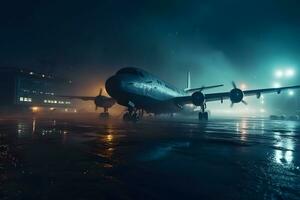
(217, 41)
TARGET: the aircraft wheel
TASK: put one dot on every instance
(200, 116)
(126, 117)
(205, 115)
(135, 117)
(104, 115)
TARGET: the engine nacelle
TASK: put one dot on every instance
(198, 98)
(236, 95)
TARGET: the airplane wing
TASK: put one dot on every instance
(84, 98)
(226, 95)
(203, 88)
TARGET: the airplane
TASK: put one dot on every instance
(141, 91)
(99, 101)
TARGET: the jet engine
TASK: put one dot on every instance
(198, 98)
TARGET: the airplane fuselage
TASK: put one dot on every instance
(142, 90)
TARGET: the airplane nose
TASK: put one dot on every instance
(113, 86)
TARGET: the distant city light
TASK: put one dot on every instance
(243, 86)
(291, 93)
(289, 73)
(278, 73)
(276, 85)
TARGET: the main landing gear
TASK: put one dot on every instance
(203, 115)
(133, 115)
(105, 114)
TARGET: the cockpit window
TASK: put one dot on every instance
(131, 70)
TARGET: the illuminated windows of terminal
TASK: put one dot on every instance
(38, 92)
(25, 99)
(46, 101)
(56, 102)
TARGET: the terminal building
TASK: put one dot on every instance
(23, 89)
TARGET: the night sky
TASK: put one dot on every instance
(226, 40)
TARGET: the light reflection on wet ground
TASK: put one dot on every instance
(82, 159)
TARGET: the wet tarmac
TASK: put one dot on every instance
(86, 159)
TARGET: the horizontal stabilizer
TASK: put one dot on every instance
(203, 88)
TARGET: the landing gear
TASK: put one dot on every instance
(203, 115)
(133, 115)
(130, 117)
(105, 114)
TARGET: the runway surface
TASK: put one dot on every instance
(86, 159)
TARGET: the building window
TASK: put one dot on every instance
(55, 102)
(25, 99)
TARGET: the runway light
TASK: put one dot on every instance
(289, 73)
(278, 73)
(291, 93)
(35, 109)
(276, 85)
(109, 138)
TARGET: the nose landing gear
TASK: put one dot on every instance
(133, 115)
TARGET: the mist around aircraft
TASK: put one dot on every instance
(142, 92)
(100, 101)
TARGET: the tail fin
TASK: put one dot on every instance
(189, 89)
(188, 81)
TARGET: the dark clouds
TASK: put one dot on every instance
(224, 38)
